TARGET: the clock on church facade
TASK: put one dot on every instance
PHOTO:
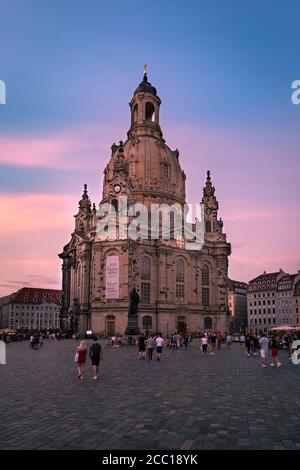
(178, 289)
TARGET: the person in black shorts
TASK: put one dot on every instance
(142, 346)
(95, 354)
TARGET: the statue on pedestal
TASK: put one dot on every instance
(132, 327)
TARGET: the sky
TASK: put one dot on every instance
(223, 71)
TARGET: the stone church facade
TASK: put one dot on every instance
(180, 289)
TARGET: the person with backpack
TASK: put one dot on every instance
(95, 354)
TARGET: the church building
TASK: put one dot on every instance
(178, 288)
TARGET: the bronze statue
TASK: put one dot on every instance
(134, 303)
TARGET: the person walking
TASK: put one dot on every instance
(159, 345)
(213, 340)
(242, 340)
(274, 349)
(264, 346)
(248, 344)
(186, 340)
(256, 345)
(204, 341)
(142, 346)
(80, 358)
(228, 341)
(190, 340)
(95, 353)
(150, 347)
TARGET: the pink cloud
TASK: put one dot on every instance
(74, 149)
(27, 213)
(34, 229)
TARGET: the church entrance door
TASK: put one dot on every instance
(110, 325)
(181, 325)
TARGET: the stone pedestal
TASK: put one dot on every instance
(132, 327)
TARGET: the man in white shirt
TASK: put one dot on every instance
(159, 345)
(264, 346)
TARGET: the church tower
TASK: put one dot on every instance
(179, 286)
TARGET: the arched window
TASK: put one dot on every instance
(135, 113)
(207, 323)
(147, 322)
(150, 112)
(205, 275)
(114, 204)
(179, 279)
(145, 277)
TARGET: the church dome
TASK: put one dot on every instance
(151, 169)
(145, 87)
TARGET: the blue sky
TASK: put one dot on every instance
(72, 61)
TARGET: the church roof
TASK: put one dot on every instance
(37, 295)
(145, 87)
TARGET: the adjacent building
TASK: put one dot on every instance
(274, 299)
(179, 289)
(31, 308)
(296, 299)
(237, 304)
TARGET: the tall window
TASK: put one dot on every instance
(179, 279)
(205, 275)
(150, 112)
(145, 276)
(165, 171)
(114, 204)
(146, 268)
(145, 288)
(79, 282)
(135, 113)
(207, 323)
(208, 226)
(205, 296)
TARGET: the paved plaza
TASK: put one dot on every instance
(187, 401)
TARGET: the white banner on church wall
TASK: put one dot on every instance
(112, 277)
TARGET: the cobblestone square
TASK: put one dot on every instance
(187, 401)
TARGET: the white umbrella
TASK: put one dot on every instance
(282, 328)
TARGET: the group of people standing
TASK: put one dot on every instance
(212, 340)
(147, 344)
(36, 341)
(177, 341)
(255, 343)
(252, 343)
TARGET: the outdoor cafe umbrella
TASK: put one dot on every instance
(282, 328)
